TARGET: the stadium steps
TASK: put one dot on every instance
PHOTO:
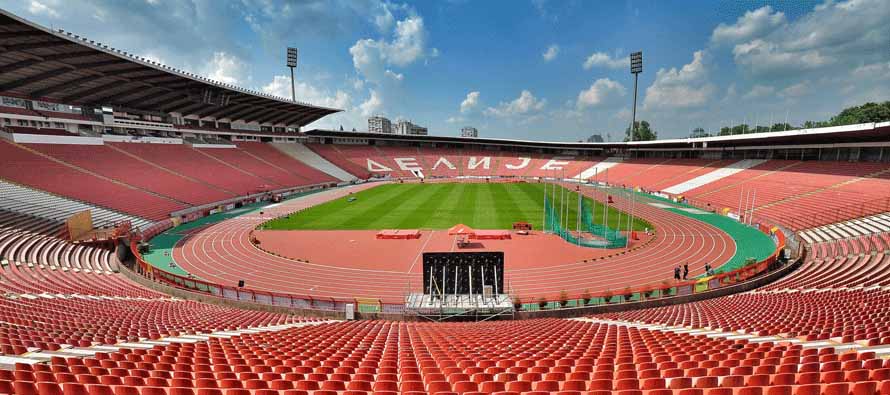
(25, 200)
(97, 175)
(162, 168)
(767, 174)
(599, 167)
(743, 335)
(879, 223)
(714, 176)
(225, 163)
(876, 174)
(272, 165)
(8, 362)
(674, 178)
(303, 154)
(633, 175)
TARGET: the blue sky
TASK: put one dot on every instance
(537, 69)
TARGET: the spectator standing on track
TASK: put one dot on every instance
(685, 270)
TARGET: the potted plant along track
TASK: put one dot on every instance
(517, 303)
(628, 293)
(665, 288)
(608, 297)
(542, 303)
(563, 298)
(648, 292)
(585, 296)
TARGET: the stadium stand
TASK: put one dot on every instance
(870, 225)
(25, 166)
(272, 177)
(70, 324)
(839, 293)
(194, 164)
(57, 295)
(305, 155)
(33, 223)
(527, 357)
(117, 165)
(271, 156)
(55, 208)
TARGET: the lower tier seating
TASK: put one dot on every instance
(27, 324)
(844, 297)
(548, 356)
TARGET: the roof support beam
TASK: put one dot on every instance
(95, 65)
(240, 114)
(260, 115)
(170, 105)
(110, 99)
(148, 98)
(187, 110)
(282, 117)
(26, 33)
(70, 84)
(32, 79)
(80, 94)
(223, 110)
(27, 46)
(18, 65)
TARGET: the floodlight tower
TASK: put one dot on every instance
(636, 67)
(292, 64)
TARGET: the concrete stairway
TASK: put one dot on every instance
(714, 176)
(303, 154)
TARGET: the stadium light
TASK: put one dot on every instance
(292, 64)
(636, 67)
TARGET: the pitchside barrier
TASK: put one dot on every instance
(665, 289)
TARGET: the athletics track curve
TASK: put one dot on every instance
(223, 253)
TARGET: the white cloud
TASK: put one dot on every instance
(763, 57)
(394, 75)
(753, 24)
(796, 90)
(456, 120)
(602, 59)
(683, 88)
(385, 18)
(600, 91)
(525, 104)
(876, 71)
(37, 8)
(470, 102)
(226, 68)
(831, 37)
(372, 105)
(305, 92)
(370, 57)
(758, 91)
(624, 114)
(551, 53)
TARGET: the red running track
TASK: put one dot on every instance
(223, 253)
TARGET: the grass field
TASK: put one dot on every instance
(439, 206)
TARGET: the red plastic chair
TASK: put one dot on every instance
(836, 389)
(808, 389)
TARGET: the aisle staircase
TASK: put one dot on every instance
(303, 154)
(715, 175)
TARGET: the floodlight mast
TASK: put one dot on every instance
(636, 67)
(292, 64)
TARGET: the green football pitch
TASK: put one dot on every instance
(440, 206)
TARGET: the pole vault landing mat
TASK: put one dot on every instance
(490, 235)
(398, 234)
